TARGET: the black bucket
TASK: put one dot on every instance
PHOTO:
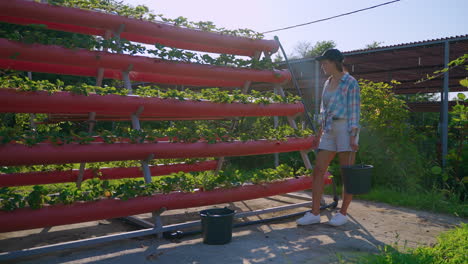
(217, 225)
(357, 178)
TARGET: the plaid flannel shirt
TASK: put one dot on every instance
(344, 103)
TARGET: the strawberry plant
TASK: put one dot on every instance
(96, 189)
(38, 197)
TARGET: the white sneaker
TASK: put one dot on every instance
(338, 220)
(308, 219)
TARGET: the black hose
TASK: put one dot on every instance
(180, 234)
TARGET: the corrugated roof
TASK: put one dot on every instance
(391, 47)
(406, 63)
(422, 42)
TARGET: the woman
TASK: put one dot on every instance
(339, 116)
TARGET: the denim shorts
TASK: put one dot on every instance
(337, 139)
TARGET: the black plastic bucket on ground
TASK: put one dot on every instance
(357, 179)
(217, 225)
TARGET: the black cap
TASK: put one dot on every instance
(331, 54)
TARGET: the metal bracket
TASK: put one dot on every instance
(158, 224)
(119, 31)
(146, 169)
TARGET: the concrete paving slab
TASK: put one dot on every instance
(371, 226)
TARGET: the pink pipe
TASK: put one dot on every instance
(26, 218)
(18, 154)
(181, 44)
(68, 19)
(114, 74)
(14, 101)
(121, 62)
(49, 177)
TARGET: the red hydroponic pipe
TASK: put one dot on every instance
(15, 101)
(49, 177)
(26, 218)
(121, 62)
(43, 153)
(96, 23)
(10, 64)
(181, 44)
(64, 118)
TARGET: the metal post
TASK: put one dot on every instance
(92, 122)
(144, 163)
(146, 169)
(158, 224)
(32, 116)
(125, 74)
(100, 74)
(135, 118)
(127, 83)
(445, 106)
(275, 125)
(317, 87)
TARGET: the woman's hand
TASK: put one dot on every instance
(353, 143)
(316, 142)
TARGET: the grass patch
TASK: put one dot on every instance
(451, 248)
(437, 201)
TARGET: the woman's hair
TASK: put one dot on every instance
(338, 65)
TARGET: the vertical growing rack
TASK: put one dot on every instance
(59, 60)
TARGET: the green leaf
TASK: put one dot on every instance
(445, 176)
(464, 82)
(461, 96)
(436, 170)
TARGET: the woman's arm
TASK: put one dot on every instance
(354, 112)
(353, 108)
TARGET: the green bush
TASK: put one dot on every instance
(451, 248)
(387, 139)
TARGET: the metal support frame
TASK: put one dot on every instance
(137, 126)
(100, 73)
(146, 169)
(445, 99)
(136, 118)
(158, 223)
(125, 74)
(275, 125)
(32, 116)
(144, 232)
(158, 227)
(316, 91)
(126, 79)
(292, 123)
(245, 89)
(144, 163)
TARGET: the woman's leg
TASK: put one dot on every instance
(346, 158)
(322, 161)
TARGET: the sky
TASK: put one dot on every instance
(401, 22)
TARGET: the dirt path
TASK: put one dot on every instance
(372, 225)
